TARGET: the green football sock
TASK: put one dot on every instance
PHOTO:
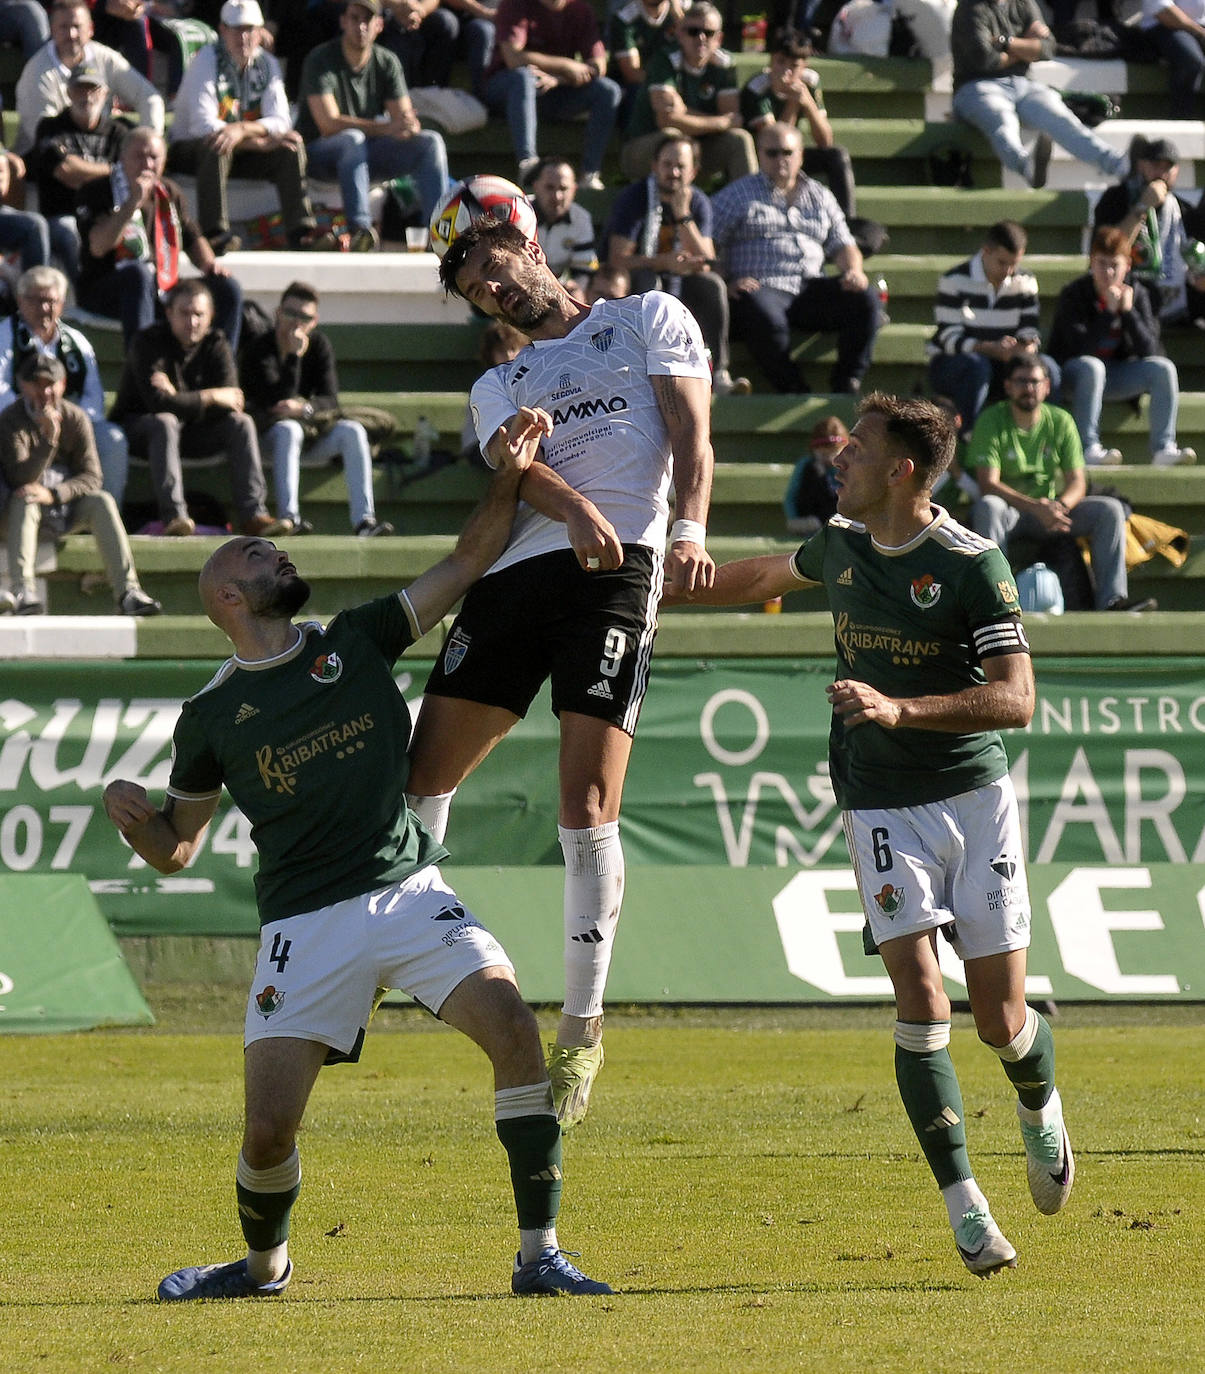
(533, 1145)
(931, 1096)
(265, 1201)
(1028, 1060)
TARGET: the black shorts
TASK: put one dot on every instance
(546, 617)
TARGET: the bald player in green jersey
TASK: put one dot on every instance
(932, 664)
(307, 731)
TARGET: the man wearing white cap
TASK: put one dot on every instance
(232, 118)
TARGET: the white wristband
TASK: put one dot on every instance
(688, 532)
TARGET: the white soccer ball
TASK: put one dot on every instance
(468, 200)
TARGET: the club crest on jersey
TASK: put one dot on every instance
(925, 592)
(890, 901)
(1008, 593)
(603, 339)
(269, 1001)
(327, 668)
(455, 650)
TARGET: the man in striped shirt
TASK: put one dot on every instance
(986, 315)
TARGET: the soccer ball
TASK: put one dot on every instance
(468, 200)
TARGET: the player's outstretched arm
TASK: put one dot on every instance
(747, 581)
(512, 450)
(685, 406)
(166, 837)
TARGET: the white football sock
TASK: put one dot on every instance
(594, 873)
(433, 811)
(960, 1197)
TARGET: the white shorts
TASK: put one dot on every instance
(317, 973)
(955, 863)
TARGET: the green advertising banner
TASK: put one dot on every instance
(729, 773)
(60, 967)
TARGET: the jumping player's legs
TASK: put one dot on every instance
(451, 737)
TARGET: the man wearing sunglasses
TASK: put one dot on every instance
(289, 380)
(774, 231)
(693, 91)
(1029, 464)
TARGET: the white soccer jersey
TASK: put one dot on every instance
(608, 439)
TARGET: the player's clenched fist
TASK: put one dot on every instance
(127, 805)
(516, 444)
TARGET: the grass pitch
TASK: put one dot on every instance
(747, 1180)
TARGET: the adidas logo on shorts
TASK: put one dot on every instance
(602, 689)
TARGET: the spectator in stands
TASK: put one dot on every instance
(1029, 465)
(986, 314)
(609, 284)
(500, 343)
(1175, 29)
(563, 227)
(24, 24)
(474, 38)
(48, 463)
(291, 388)
(359, 124)
(810, 500)
(638, 31)
(1105, 336)
(1160, 226)
(73, 149)
(179, 397)
(38, 328)
(993, 44)
(788, 92)
(660, 231)
(550, 63)
(774, 231)
(22, 232)
(42, 86)
(692, 91)
(422, 36)
(133, 227)
(232, 119)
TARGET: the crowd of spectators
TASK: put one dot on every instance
(738, 201)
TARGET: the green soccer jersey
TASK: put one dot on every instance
(700, 91)
(312, 747)
(1030, 460)
(913, 621)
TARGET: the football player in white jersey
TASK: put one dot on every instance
(574, 596)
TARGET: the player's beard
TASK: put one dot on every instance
(539, 297)
(273, 599)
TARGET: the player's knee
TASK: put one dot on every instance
(268, 1139)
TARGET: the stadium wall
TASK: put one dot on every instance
(738, 888)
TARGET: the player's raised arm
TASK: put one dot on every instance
(512, 451)
(685, 405)
(166, 837)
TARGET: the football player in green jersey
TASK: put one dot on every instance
(932, 664)
(307, 731)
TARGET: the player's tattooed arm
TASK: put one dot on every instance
(167, 837)
(685, 406)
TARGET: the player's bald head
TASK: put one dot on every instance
(221, 569)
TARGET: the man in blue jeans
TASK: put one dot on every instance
(993, 43)
(359, 124)
(289, 380)
(550, 59)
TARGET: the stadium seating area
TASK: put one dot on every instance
(402, 346)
